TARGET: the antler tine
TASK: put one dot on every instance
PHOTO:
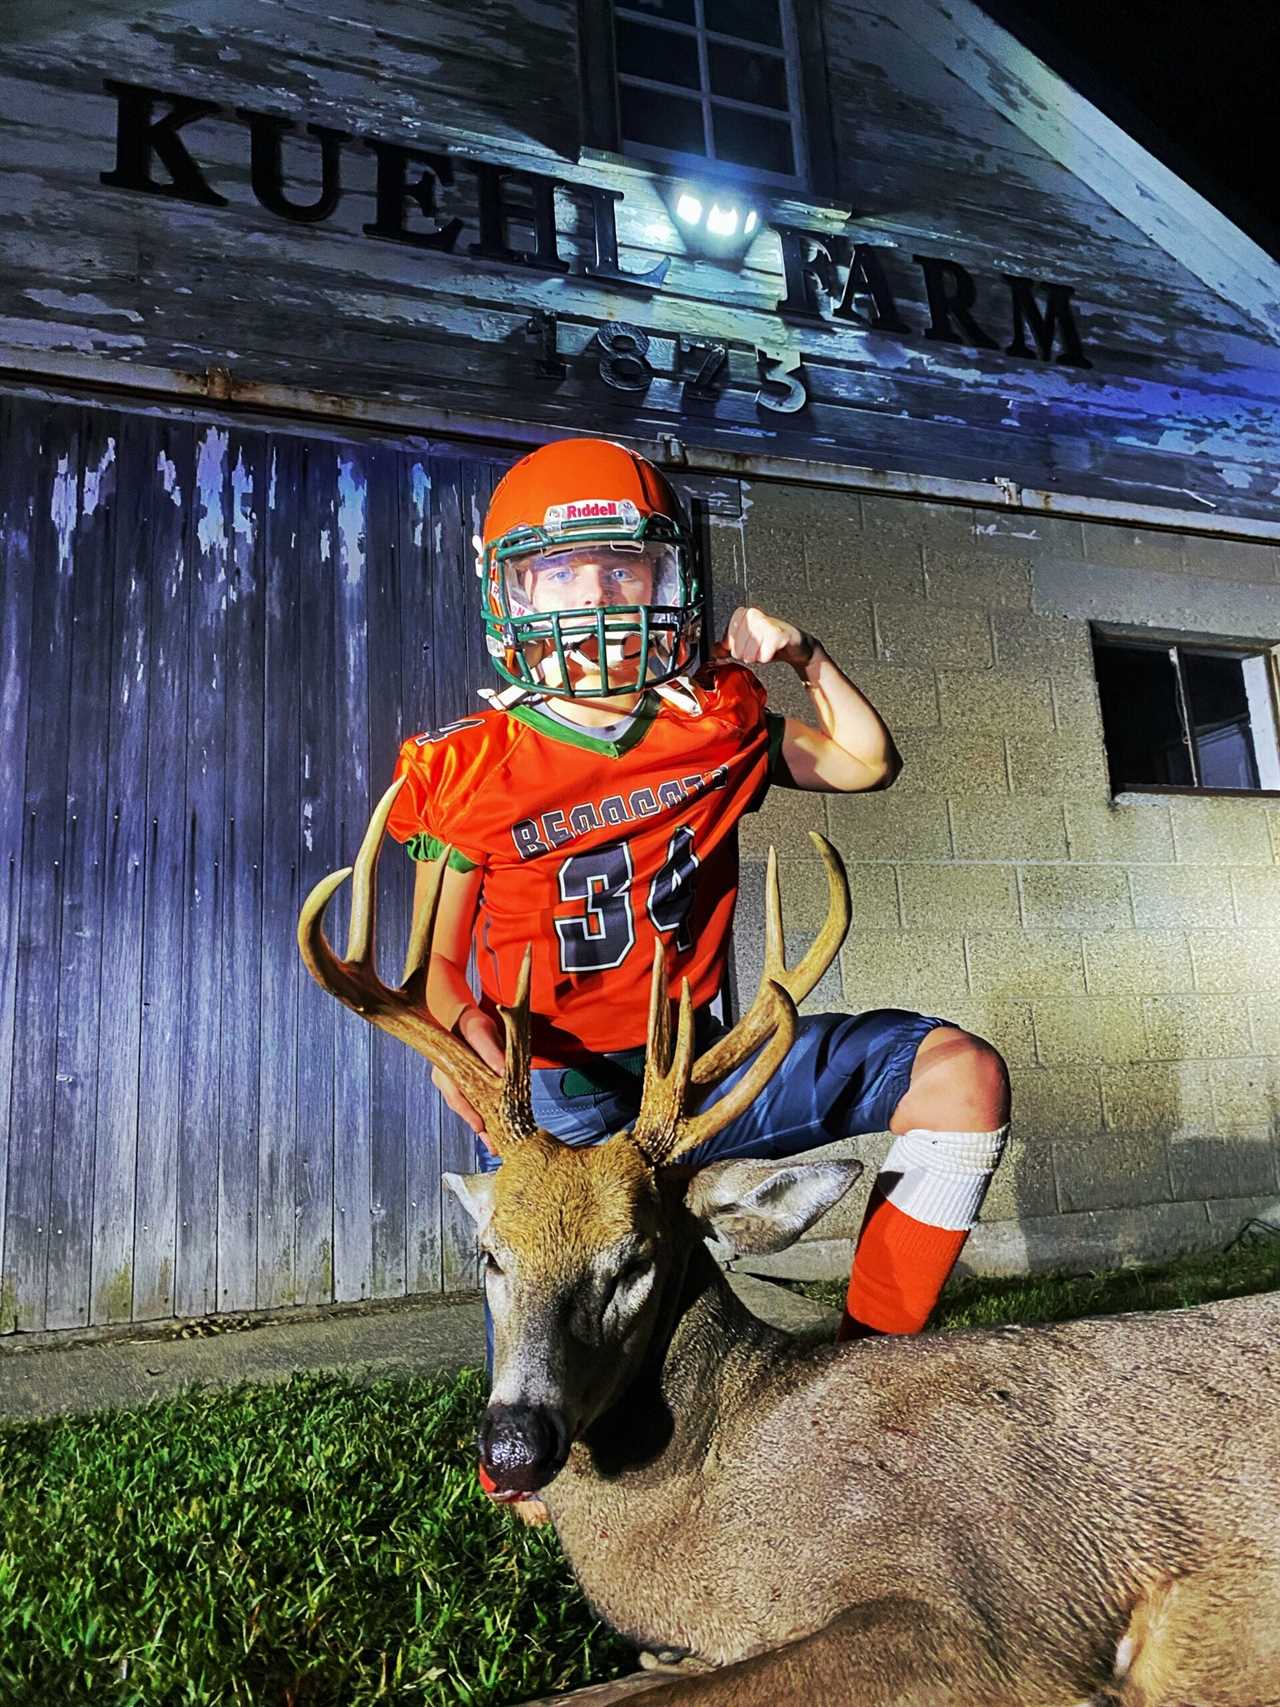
(658, 1042)
(517, 1097)
(503, 1102)
(778, 1018)
(733, 1048)
(666, 1075)
(414, 978)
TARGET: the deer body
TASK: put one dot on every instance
(1025, 1517)
(1034, 1493)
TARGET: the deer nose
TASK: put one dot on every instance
(523, 1446)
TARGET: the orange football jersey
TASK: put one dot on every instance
(592, 849)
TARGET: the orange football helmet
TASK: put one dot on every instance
(588, 575)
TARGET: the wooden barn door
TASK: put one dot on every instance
(212, 639)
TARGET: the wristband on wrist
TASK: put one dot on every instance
(815, 648)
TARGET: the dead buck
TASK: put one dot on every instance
(1035, 1517)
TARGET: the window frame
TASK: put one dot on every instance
(805, 60)
(1175, 641)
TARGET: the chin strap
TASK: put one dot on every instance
(501, 699)
(678, 692)
(681, 693)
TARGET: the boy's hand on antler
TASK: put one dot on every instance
(482, 1034)
(754, 637)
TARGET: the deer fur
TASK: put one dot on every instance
(1038, 1516)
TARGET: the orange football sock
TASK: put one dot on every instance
(925, 1199)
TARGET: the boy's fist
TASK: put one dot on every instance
(754, 637)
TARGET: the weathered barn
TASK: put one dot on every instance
(951, 371)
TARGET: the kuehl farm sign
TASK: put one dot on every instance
(828, 279)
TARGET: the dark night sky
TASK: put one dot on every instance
(1196, 81)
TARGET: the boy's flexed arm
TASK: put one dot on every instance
(851, 749)
(449, 996)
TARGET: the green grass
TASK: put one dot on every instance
(1252, 1264)
(322, 1541)
(319, 1542)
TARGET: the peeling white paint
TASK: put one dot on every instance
(1240, 478)
(325, 545)
(211, 463)
(93, 478)
(306, 826)
(168, 472)
(352, 491)
(243, 520)
(271, 484)
(420, 486)
(62, 510)
(1006, 532)
(81, 304)
(57, 335)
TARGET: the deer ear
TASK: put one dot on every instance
(475, 1193)
(754, 1207)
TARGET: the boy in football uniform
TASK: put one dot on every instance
(594, 808)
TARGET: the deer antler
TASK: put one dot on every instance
(503, 1102)
(728, 1051)
(663, 1131)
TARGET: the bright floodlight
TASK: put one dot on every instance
(716, 223)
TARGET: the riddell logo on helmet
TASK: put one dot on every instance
(592, 510)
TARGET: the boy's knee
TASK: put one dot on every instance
(959, 1082)
(989, 1076)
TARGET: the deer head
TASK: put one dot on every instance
(586, 1250)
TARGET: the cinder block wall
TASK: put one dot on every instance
(1124, 957)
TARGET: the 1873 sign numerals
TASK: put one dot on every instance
(623, 357)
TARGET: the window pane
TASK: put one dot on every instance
(1219, 708)
(668, 56)
(1138, 688)
(747, 76)
(679, 11)
(661, 121)
(755, 20)
(747, 139)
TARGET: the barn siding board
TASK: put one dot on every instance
(52, 447)
(457, 677)
(17, 567)
(115, 1144)
(203, 970)
(281, 972)
(353, 1056)
(80, 935)
(242, 920)
(168, 477)
(320, 1022)
(420, 639)
(391, 1061)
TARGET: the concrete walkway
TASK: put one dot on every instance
(41, 1377)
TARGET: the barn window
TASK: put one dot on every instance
(1189, 714)
(721, 87)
